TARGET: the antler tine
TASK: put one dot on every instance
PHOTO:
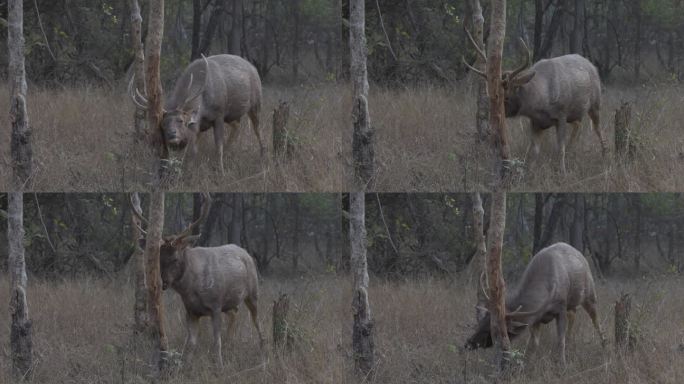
(526, 63)
(206, 203)
(137, 212)
(483, 282)
(470, 67)
(206, 80)
(134, 95)
(479, 50)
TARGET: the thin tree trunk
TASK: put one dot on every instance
(138, 68)
(236, 29)
(497, 286)
(482, 114)
(637, 39)
(21, 344)
(156, 311)
(362, 336)
(578, 28)
(236, 219)
(637, 233)
(363, 141)
(196, 29)
(140, 312)
(296, 16)
(538, 221)
(295, 239)
(153, 45)
(22, 154)
(478, 265)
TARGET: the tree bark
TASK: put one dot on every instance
(140, 312)
(497, 286)
(196, 29)
(363, 140)
(139, 123)
(236, 29)
(153, 45)
(538, 221)
(497, 119)
(362, 336)
(156, 312)
(479, 261)
(21, 343)
(21, 151)
(577, 35)
(482, 114)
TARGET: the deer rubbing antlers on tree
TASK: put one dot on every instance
(553, 92)
(554, 284)
(230, 89)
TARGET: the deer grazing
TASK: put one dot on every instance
(228, 87)
(210, 281)
(553, 92)
(554, 284)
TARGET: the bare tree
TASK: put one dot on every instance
(482, 114)
(22, 154)
(156, 312)
(153, 43)
(363, 142)
(140, 313)
(20, 334)
(362, 335)
(497, 286)
(138, 66)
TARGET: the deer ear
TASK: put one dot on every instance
(523, 78)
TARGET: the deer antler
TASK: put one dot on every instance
(526, 63)
(483, 283)
(137, 211)
(206, 80)
(206, 203)
(480, 53)
(138, 99)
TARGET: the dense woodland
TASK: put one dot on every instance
(621, 234)
(71, 235)
(424, 40)
(75, 41)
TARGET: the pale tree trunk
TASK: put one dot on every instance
(20, 330)
(363, 141)
(140, 314)
(482, 114)
(497, 286)
(22, 154)
(138, 68)
(362, 336)
(153, 43)
(478, 265)
(156, 312)
(497, 118)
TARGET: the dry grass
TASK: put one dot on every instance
(82, 335)
(427, 142)
(83, 142)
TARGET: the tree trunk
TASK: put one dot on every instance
(538, 221)
(363, 141)
(296, 16)
(478, 264)
(156, 312)
(497, 286)
(140, 312)
(497, 119)
(297, 229)
(362, 335)
(577, 221)
(280, 140)
(554, 217)
(281, 334)
(21, 345)
(22, 154)
(138, 68)
(578, 28)
(637, 233)
(482, 114)
(196, 29)
(625, 339)
(637, 39)
(236, 29)
(214, 19)
(153, 45)
(236, 219)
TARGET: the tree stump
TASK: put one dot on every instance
(281, 337)
(625, 339)
(624, 140)
(280, 135)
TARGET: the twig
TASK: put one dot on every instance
(40, 23)
(40, 216)
(382, 24)
(389, 236)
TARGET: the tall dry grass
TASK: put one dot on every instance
(82, 333)
(82, 141)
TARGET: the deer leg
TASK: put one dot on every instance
(216, 323)
(561, 129)
(536, 141)
(232, 319)
(251, 305)
(591, 311)
(218, 141)
(576, 127)
(595, 116)
(561, 327)
(254, 117)
(234, 132)
(533, 342)
(192, 327)
(571, 322)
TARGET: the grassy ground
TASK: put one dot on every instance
(82, 333)
(82, 140)
(425, 142)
